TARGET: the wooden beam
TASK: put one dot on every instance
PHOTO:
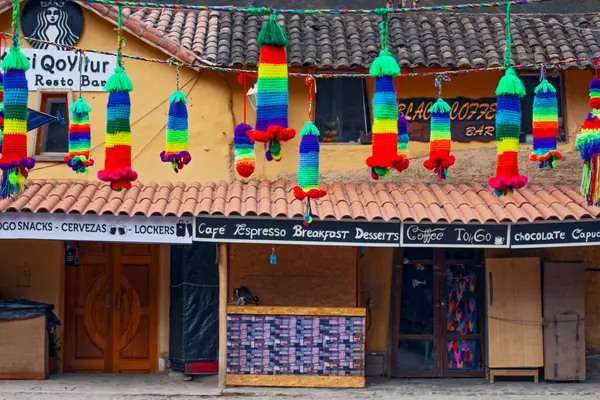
(223, 290)
(297, 381)
(279, 310)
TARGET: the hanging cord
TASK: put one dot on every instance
(16, 11)
(312, 91)
(83, 62)
(171, 62)
(508, 50)
(438, 83)
(596, 62)
(243, 80)
(384, 27)
(120, 39)
(542, 73)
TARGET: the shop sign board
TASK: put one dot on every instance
(103, 228)
(292, 231)
(453, 235)
(556, 234)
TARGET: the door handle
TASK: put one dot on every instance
(116, 302)
(491, 289)
(107, 300)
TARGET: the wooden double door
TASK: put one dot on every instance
(111, 309)
(438, 324)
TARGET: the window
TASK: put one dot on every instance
(531, 81)
(52, 140)
(342, 111)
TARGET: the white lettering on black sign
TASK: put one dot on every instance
(555, 234)
(451, 235)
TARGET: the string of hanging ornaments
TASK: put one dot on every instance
(390, 129)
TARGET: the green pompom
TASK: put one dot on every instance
(119, 82)
(440, 106)
(309, 129)
(15, 60)
(545, 87)
(12, 177)
(178, 97)
(511, 85)
(385, 65)
(80, 107)
(272, 34)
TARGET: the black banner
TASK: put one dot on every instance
(472, 119)
(555, 234)
(449, 235)
(270, 230)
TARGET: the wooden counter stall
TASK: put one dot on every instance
(307, 330)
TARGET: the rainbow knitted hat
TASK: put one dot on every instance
(79, 158)
(176, 148)
(545, 126)
(385, 155)
(272, 91)
(15, 162)
(440, 143)
(308, 169)
(117, 163)
(508, 131)
(243, 149)
(588, 144)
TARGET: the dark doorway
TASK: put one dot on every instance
(438, 320)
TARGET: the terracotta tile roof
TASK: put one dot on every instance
(418, 203)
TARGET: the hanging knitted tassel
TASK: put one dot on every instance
(243, 146)
(440, 142)
(508, 125)
(117, 163)
(385, 112)
(79, 158)
(545, 124)
(272, 91)
(15, 163)
(308, 163)
(588, 144)
(176, 148)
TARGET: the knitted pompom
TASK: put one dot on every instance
(440, 142)
(272, 33)
(243, 148)
(384, 65)
(545, 126)
(508, 131)
(588, 144)
(308, 169)
(176, 148)
(79, 158)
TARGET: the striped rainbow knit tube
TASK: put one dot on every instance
(545, 126)
(308, 169)
(385, 118)
(79, 158)
(243, 150)
(440, 141)
(176, 148)
(403, 139)
(117, 163)
(1, 109)
(588, 144)
(15, 163)
(272, 91)
(508, 130)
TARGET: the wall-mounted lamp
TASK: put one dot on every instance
(251, 95)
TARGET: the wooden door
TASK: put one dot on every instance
(564, 315)
(111, 303)
(87, 302)
(514, 313)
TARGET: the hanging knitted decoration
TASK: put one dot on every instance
(385, 113)
(308, 163)
(15, 163)
(510, 90)
(117, 163)
(440, 142)
(243, 146)
(1, 109)
(403, 139)
(545, 124)
(79, 158)
(588, 144)
(272, 91)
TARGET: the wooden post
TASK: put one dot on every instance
(223, 290)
